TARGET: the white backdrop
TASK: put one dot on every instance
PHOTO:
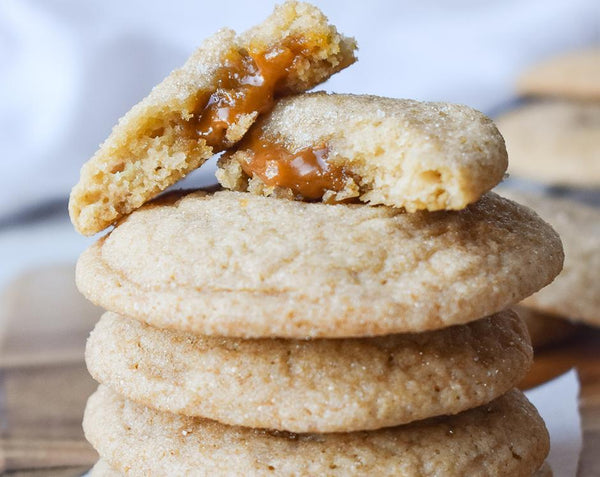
(70, 68)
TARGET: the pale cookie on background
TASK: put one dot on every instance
(554, 142)
(544, 329)
(575, 294)
(238, 264)
(397, 152)
(205, 107)
(572, 75)
(504, 437)
(311, 385)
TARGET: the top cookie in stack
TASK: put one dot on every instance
(347, 317)
(205, 107)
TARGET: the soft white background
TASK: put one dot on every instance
(70, 68)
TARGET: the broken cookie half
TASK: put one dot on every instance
(397, 152)
(205, 107)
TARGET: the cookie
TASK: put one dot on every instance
(554, 142)
(103, 469)
(572, 75)
(238, 264)
(504, 437)
(545, 330)
(575, 294)
(311, 385)
(397, 152)
(205, 107)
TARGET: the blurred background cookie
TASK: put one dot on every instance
(554, 142)
(574, 75)
(575, 293)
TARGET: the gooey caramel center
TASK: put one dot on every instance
(306, 171)
(248, 82)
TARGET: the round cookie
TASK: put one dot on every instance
(397, 152)
(311, 385)
(545, 330)
(575, 294)
(572, 75)
(174, 130)
(504, 437)
(554, 142)
(103, 469)
(237, 264)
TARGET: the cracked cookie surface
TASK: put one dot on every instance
(238, 264)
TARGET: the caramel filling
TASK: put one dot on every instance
(305, 172)
(248, 82)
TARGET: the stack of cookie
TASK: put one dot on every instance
(289, 326)
(552, 138)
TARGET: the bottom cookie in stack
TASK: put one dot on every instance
(504, 437)
(313, 386)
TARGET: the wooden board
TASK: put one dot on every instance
(44, 384)
(581, 352)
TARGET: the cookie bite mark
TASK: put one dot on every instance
(400, 153)
(301, 173)
(205, 107)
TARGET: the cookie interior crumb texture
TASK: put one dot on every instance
(281, 268)
(396, 152)
(181, 123)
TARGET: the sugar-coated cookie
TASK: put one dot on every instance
(311, 385)
(103, 469)
(504, 437)
(205, 107)
(238, 264)
(397, 152)
(554, 142)
(575, 294)
(572, 75)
